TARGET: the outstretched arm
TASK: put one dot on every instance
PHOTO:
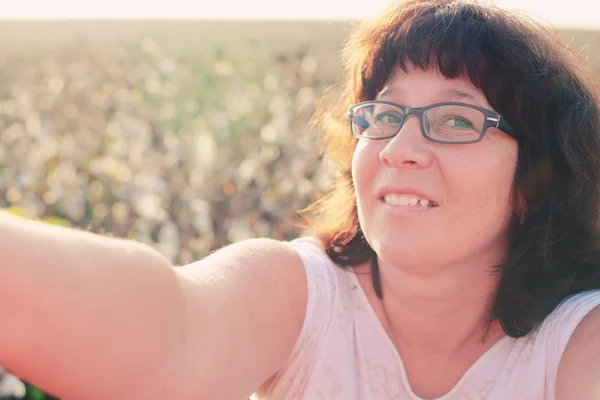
(81, 312)
(90, 317)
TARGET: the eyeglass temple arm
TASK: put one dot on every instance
(503, 125)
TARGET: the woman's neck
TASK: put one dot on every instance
(439, 312)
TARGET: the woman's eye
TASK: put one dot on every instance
(388, 118)
(455, 121)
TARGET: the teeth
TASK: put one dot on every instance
(405, 200)
(391, 199)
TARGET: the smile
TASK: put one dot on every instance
(393, 199)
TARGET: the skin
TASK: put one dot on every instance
(435, 266)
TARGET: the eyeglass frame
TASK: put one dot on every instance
(491, 120)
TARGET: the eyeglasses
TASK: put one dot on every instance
(451, 123)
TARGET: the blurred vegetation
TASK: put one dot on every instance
(184, 152)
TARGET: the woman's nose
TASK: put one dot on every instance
(409, 148)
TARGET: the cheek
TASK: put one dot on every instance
(365, 162)
(485, 184)
(364, 166)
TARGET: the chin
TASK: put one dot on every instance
(404, 251)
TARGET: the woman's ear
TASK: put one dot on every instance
(520, 207)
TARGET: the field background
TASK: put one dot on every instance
(185, 135)
(322, 38)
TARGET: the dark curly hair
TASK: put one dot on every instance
(545, 93)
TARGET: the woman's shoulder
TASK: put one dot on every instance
(534, 359)
(311, 244)
(549, 340)
(569, 313)
(320, 342)
(557, 329)
(572, 344)
(317, 263)
(329, 284)
(578, 373)
(560, 324)
(313, 254)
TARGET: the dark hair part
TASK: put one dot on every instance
(541, 88)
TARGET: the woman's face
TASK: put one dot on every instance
(470, 183)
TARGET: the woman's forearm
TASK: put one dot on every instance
(73, 303)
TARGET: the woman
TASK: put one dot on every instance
(458, 256)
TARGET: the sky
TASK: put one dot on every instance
(578, 13)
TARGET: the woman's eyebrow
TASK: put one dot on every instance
(389, 91)
(457, 94)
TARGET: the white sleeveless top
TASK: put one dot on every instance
(343, 352)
